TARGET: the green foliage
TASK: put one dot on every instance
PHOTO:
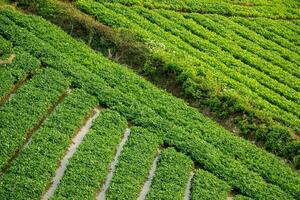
(22, 66)
(225, 167)
(241, 197)
(120, 45)
(89, 165)
(41, 6)
(206, 186)
(5, 47)
(29, 105)
(171, 176)
(275, 138)
(223, 49)
(256, 27)
(32, 171)
(252, 85)
(248, 169)
(276, 10)
(134, 164)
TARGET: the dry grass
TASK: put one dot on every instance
(8, 61)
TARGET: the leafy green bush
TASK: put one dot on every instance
(250, 170)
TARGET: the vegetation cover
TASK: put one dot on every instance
(239, 59)
(248, 87)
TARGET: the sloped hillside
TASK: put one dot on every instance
(238, 61)
(76, 125)
(245, 70)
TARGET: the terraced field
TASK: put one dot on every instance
(77, 125)
(243, 69)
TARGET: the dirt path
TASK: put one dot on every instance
(187, 194)
(148, 183)
(112, 167)
(76, 141)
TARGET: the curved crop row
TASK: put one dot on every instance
(222, 8)
(226, 32)
(171, 176)
(265, 73)
(245, 32)
(278, 29)
(207, 186)
(144, 105)
(260, 108)
(224, 167)
(290, 25)
(253, 25)
(167, 37)
(220, 59)
(230, 83)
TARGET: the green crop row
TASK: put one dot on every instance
(243, 69)
(171, 176)
(253, 25)
(278, 29)
(143, 104)
(290, 25)
(227, 33)
(250, 62)
(223, 8)
(226, 168)
(230, 83)
(206, 186)
(134, 164)
(88, 167)
(13, 74)
(22, 113)
(245, 32)
(31, 172)
(222, 60)
(236, 102)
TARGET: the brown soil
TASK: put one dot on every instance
(14, 88)
(8, 61)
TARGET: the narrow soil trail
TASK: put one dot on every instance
(187, 194)
(112, 167)
(230, 196)
(148, 183)
(76, 141)
(11, 92)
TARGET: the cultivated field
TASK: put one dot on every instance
(75, 124)
(245, 70)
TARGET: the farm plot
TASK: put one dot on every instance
(18, 72)
(28, 109)
(245, 74)
(184, 136)
(30, 172)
